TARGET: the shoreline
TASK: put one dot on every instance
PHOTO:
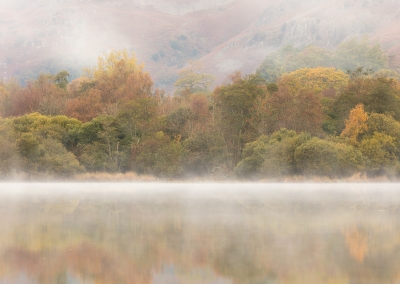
(137, 178)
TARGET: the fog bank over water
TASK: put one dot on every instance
(313, 193)
(159, 233)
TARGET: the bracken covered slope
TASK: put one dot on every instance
(226, 35)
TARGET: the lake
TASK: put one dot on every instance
(213, 233)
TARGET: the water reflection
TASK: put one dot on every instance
(181, 233)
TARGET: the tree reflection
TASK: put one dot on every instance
(122, 241)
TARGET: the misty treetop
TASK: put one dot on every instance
(311, 121)
(348, 56)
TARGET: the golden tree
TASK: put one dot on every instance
(356, 124)
(316, 79)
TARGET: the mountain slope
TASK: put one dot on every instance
(226, 35)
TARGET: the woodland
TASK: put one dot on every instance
(306, 111)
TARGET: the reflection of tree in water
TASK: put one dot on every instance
(357, 243)
(114, 241)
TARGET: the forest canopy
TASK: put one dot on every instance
(300, 114)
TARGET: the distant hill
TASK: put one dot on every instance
(225, 35)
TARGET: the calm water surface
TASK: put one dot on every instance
(199, 233)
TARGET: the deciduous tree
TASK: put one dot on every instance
(235, 107)
(191, 80)
(356, 124)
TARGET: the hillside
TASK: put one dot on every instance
(226, 35)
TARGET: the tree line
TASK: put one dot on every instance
(315, 121)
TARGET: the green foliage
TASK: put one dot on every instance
(158, 155)
(125, 125)
(271, 157)
(41, 142)
(253, 157)
(205, 152)
(279, 159)
(59, 127)
(282, 134)
(57, 161)
(178, 122)
(61, 79)
(380, 152)
(28, 146)
(319, 157)
(275, 64)
(138, 117)
(383, 98)
(102, 146)
(191, 81)
(349, 55)
(378, 95)
(355, 53)
(235, 106)
(340, 110)
(384, 124)
(9, 158)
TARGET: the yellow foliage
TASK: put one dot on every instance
(115, 62)
(118, 76)
(315, 79)
(356, 124)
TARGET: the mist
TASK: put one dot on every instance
(226, 36)
(203, 233)
(107, 158)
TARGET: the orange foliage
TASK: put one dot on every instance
(118, 76)
(356, 124)
(301, 113)
(199, 106)
(25, 101)
(85, 108)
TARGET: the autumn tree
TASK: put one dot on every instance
(114, 70)
(234, 106)
(316, 79)
(46, 95)
(191, 80)
(378, 95)
(300, 112)
(356, 124)
(349, 55)
(8, 90)
(300, 99)
(105, 89)
(85, 107)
